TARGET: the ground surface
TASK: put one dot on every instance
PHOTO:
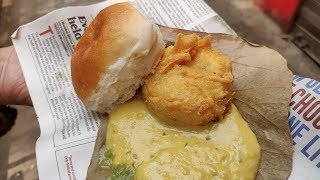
(17, 157)
(249, 22)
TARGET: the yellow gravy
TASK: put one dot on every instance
(156, 149)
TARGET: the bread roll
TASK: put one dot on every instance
(116, 52)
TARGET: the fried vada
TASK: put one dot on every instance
(192, 83)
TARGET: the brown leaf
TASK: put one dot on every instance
(262, 93)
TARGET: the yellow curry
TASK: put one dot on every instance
(141, 146)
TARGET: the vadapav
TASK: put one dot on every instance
(262, 92)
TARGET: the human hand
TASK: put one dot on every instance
(13, 88)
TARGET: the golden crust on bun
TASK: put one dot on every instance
(116, 52)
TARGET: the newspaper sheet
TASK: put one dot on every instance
(45, 46)
(304, 123)
(68, 129)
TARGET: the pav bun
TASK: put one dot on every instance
(116, 52)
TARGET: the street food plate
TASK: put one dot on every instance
(262, 86)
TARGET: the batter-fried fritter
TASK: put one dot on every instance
(192, 83)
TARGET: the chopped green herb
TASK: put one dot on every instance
(123, 172)
(186, 144)
(164, 133)
(208, 138)
(108, 153)
(106, 162)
